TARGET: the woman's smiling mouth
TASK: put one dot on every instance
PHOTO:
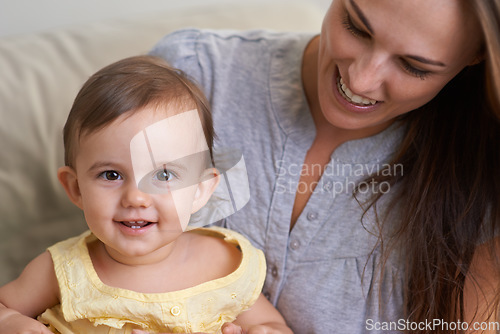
(348, 100)
(353, 98)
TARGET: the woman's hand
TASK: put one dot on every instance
(230, 328)
(261, 318)
(138, 331)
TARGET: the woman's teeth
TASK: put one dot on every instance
(346, 92)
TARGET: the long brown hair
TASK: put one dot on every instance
(448, 200)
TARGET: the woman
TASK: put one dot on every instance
(373, 158)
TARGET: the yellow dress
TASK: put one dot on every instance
(90, 306)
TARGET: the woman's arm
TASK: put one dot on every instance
(34, 291)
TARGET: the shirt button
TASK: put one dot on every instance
(312, 215)
(274, 272)
(175, 311)
(295, 244)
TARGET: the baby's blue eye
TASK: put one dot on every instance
(163, 175)
(111, 175)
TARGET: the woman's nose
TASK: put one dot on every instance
(133, 197)
(366, 74)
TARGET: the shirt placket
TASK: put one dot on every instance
(284, 249)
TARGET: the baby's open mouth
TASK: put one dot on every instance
(136, 224)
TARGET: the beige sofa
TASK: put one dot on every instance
(40, 75)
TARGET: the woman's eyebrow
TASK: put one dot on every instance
(362, 17)
(366, 23)
(426, 60)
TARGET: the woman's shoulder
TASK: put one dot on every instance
(182, 45)
(191, 36)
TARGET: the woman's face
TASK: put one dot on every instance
(382, 58)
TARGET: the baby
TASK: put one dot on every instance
(138, 162)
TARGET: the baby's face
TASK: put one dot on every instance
(139, 179)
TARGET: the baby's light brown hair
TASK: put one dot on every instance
(129, 85)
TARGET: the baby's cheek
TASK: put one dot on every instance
(181, 203)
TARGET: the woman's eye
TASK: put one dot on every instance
(163, 175)
(110, 175)
(351, 27)
(414, 71)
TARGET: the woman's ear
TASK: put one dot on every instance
(476, 60)
(209, 181)
(67, 177)
(480, 56)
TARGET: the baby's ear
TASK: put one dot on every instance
(67, 177)
(209, 180)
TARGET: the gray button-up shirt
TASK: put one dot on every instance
(322, 275)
